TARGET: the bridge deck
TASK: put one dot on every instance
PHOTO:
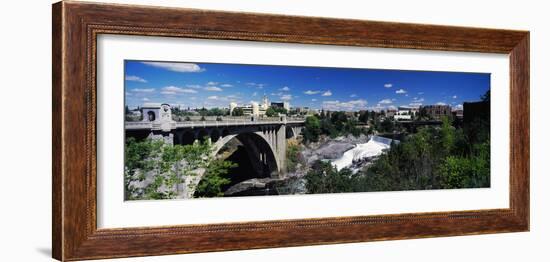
(204, 124)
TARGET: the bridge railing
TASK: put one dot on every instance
(232, 119)
(138, 125)
(214, 122)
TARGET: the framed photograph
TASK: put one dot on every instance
(182, 130)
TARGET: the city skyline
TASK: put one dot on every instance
(209, 85)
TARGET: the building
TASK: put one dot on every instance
(284, 104)
(405, 113)
(305, 110)
(458, 113)
(437, 111)
(253, 109)
(477, 111)
(390, 112)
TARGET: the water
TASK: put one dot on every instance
(374, 147)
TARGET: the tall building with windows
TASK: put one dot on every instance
(438, 111)
(284, 104)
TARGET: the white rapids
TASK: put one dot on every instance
(361, 151)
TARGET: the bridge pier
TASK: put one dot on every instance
(168, 137)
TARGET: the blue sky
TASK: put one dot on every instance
(216, 85)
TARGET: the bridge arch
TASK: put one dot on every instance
(188, 137)
(259, 150)
(225, 132)
(203, 134)
(215, 135)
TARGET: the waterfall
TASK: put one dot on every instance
(374, 147)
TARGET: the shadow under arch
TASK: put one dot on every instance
(254, 155)
(290, 133)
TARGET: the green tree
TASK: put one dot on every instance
(386, 126)
(364, 117)
(312, 129)
(215, 112)
(270, 112)
(213, 181)
(293, 156)
(238, 112)
(486, 97)
(447, 135)
(324, 178)
(328, 128)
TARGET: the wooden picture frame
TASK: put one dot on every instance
(76, 26)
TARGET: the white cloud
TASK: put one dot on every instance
(143, 90)
(286, 97)
(285, 88)
(177, 67)
(259, 86)
(455, 97)
(255, 94)
(415, 104)
(400, 91)
(459, 106)
(312, 92)
(227, 85)
(327, 93)
(353, 95)
(385, 101)
(352, 105)
(194, 86)
(135, 79)
(388, 85)
(145, 99)
(213, 88)
(441, 103)
(313, 100)
(212, 83)
(213, 97)
(175, 89)
(232, 97)
(418, 100)
(420, 93)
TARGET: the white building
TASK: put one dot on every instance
(265, 103)
(405, 113)
(254, 109)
